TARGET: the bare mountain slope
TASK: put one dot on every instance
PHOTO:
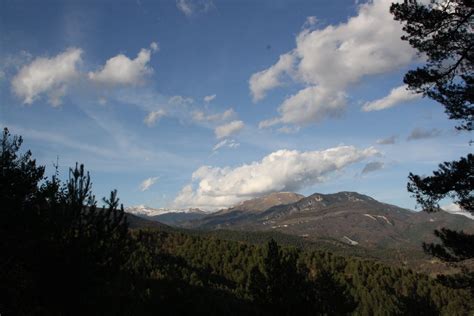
(349, 217)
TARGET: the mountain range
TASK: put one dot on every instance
(350, 219)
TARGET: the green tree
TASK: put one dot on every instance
(62, 254)
(442, 31)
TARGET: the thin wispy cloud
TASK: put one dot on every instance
(228, 129)
(147, 183)
(229, 143)
(194, 7)
(387, 141)
(153, 117)
(396, 96)
(419, 133)
(209, 98)
(372, 166)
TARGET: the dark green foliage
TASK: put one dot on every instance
(278, 287)
(442, 31)
(456, 246)
(256, 278)
(452, 179)
(456, 181)
(60, 252)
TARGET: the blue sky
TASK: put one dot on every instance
(206, 103)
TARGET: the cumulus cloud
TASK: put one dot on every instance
(47, 75)
(327, 61)
(283, 170)
(192, 7)
(229, 143)
(268, 79)
(453, 208)
(228, 129)
(209, 98)
(153, 117)
(147, 183)
(372, 166)
(200, 116)
(121, 70)
(419, 133)
(397, 95)
(387, 141)
(312, 104)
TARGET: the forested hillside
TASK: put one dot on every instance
(260, 280)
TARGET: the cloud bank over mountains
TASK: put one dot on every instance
(283, 170)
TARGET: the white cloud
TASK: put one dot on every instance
(312, 104)
(154, 46)
(121, 70)
(230, 143)
(327, 61)
(283, 170)
(270, 78)
(153, 117)
(397, 95)
(147, 183)
(185, 7)
(209, 98)
(47, 75)
(228, 129)
(455, 209)
(192, 7)
(200, 116)
(310, 21)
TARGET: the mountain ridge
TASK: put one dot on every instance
(350, 217)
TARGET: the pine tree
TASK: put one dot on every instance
(443, 32)
(61, 253)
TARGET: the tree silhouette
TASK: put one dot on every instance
(443, 32)
(64, 255)
(284, 288)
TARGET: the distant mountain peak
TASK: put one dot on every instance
(342, 196)
(143, 210)
(264, 202)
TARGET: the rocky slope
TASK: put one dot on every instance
(349, 217)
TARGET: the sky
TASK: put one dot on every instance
(206, 103)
